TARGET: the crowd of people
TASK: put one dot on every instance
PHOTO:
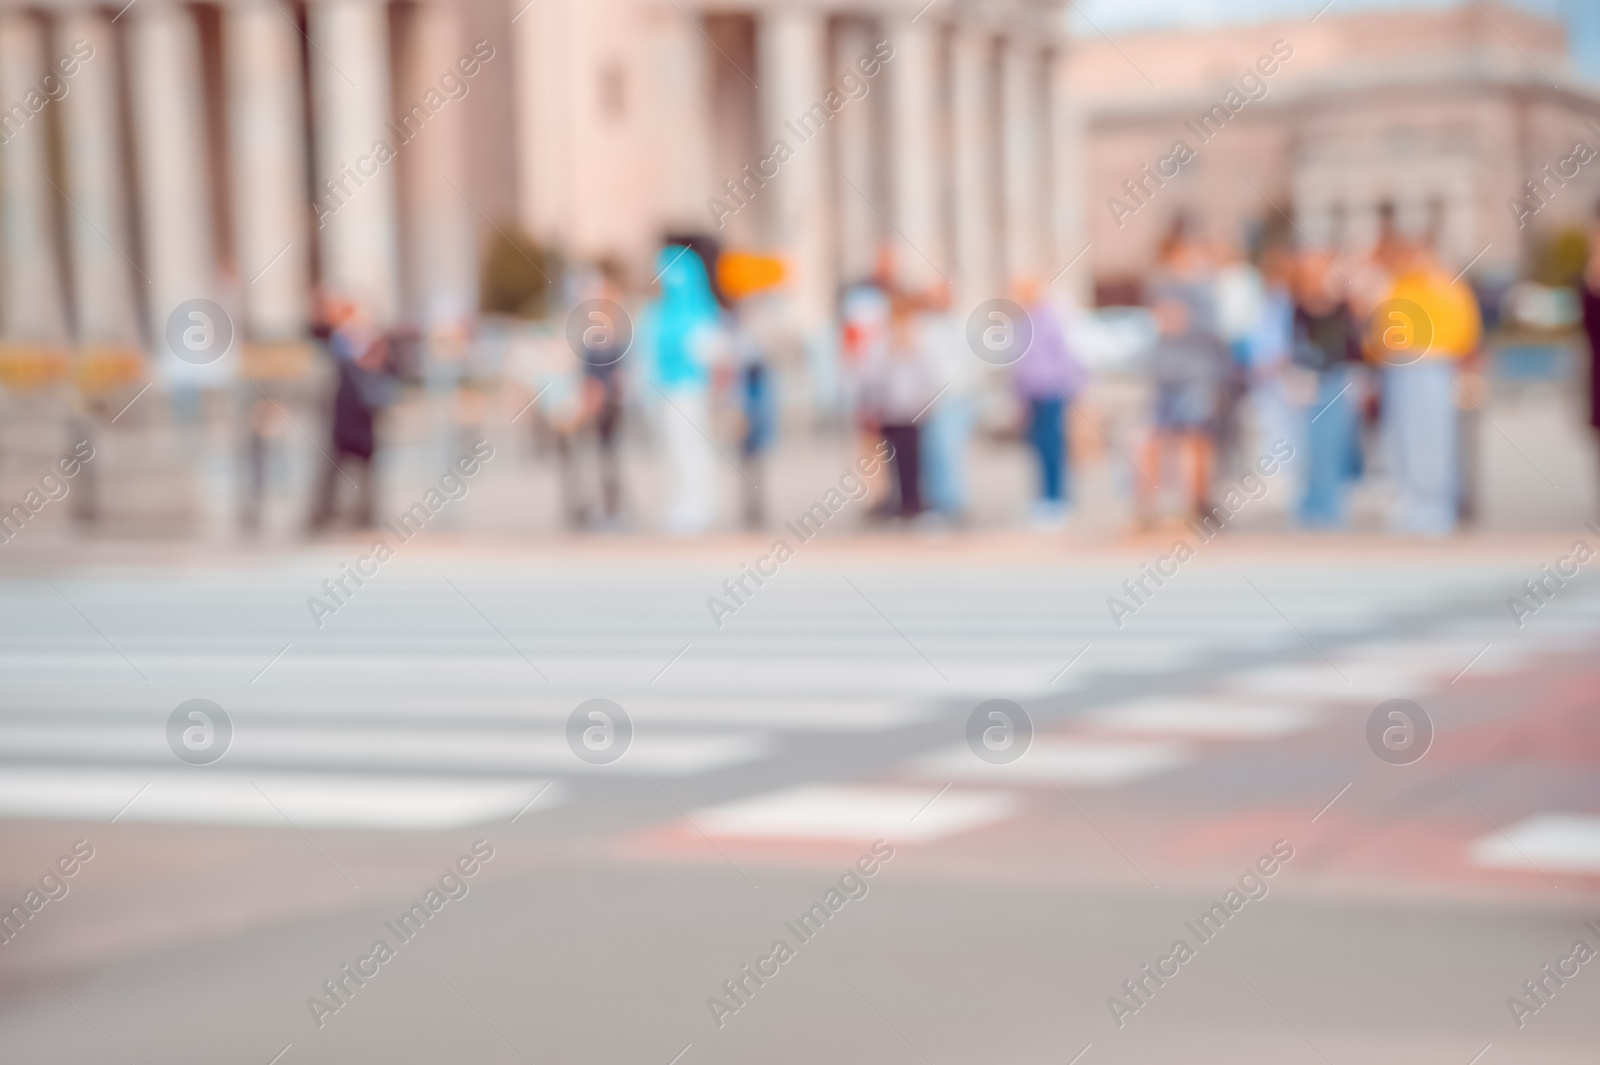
(907, 376)
(1314, 349)
(1330, 355)
(913, 370)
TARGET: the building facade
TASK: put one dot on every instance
(246, 151)
(940, 131)
(1447, 114)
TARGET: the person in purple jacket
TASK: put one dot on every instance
(1047, 378)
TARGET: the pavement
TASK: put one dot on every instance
(841, 712)
(181, 483)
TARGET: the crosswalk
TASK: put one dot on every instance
(327, 800)
(1558, 842)
(849, 812)
(1205, 718)
(1069, 761)
(1138, 739)
(828, 708)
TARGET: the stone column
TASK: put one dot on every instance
(149, 477)
(913, 127)
(104, 280)
(272, 235)
(976, 164)
(35, 418)
(440, 222)
(856, 147)
(33, 308)
(681, 98)
(1068, 185)
(1027, 227)
(169, 142)
(355, 150)
(791, 48)
(543, 71)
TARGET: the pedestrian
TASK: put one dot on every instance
(360, 356)
(1241, 304)
(602, 345)
(760, 328)
(1327, 350)
(900, 384)
(1419, 336)
(682, 332)
(1189, 367)
(1589, 291)
(1267, 351)
(947, 424)
(563, 414)
(1047, 378)
(863, 338)
(262, 424)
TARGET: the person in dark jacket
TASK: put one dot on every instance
(1327, 345)
(360, 357)
(1589, 291)
(603, 344)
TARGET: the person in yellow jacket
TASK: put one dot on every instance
(1418, 336)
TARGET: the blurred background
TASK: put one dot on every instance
(657, 439)
(466, 175)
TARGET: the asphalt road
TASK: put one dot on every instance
(366, 757)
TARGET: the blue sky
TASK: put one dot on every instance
(1113, 16)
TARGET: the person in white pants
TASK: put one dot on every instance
(683, 335)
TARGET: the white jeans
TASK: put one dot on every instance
(686, 429)
(1420, 422)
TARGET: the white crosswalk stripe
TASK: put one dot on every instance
(324, 800)
(1205, 718)
(406, 710)
(838, 812)
(1075, 762)
(1568, 843)
(437, 750)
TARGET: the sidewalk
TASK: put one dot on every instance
(1537, 479)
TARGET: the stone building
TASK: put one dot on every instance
(246, 150)
(1446, 113)
(955, 150)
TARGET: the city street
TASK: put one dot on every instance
(611, 532)
(1224, 721)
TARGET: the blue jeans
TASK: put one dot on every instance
(944, 453)
(756, 401)
(1421, 430)
(1046, 432)
(1329, 442)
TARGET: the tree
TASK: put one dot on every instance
(519, 277)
